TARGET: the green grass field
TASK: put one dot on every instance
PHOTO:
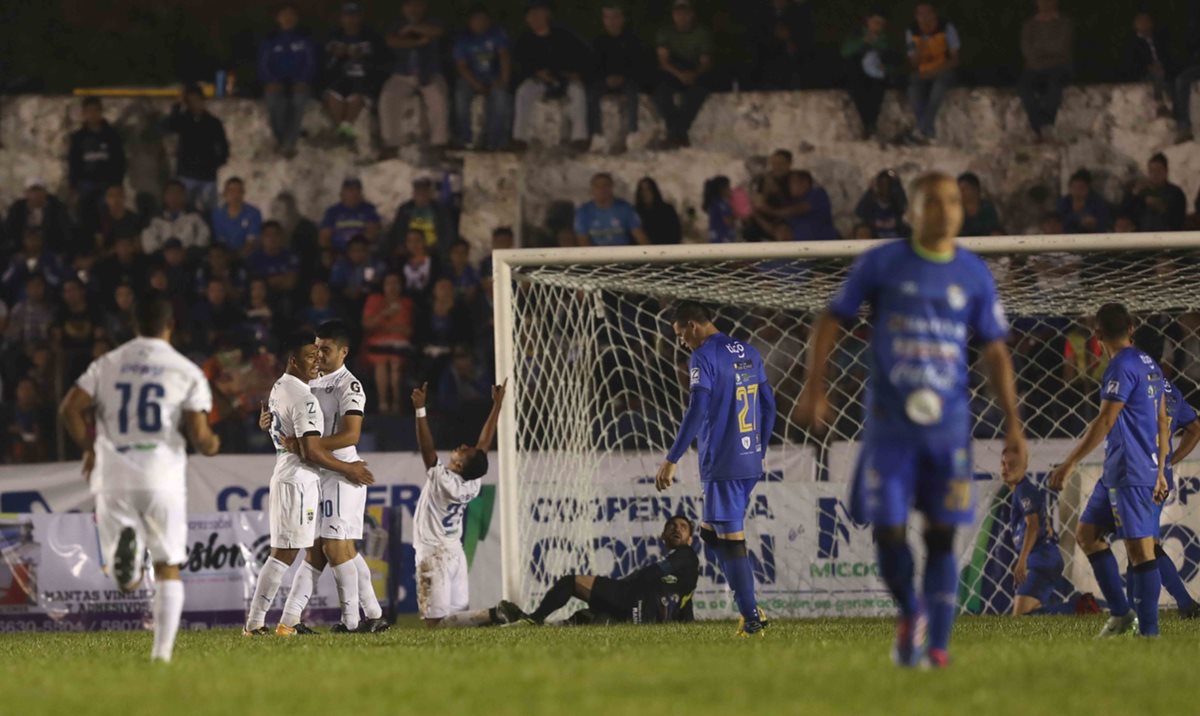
(1046, 665)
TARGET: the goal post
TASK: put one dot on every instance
(596, 393)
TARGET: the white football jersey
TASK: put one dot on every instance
(295, 412)
(141, 391)
(438, 520)
(339, 394)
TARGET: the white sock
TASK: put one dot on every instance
(479, 617)
(366, 589)
(167, 608)
(269, 578)
(302, 589)
(346, 576)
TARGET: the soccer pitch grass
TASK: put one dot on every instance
(1039, 665)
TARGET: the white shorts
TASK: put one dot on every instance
(293, 514)
(158, 517)
(342, 506)
(442, 586)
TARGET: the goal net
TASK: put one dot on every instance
(599, 387)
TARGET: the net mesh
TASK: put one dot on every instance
(602, 387)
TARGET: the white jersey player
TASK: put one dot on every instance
(295, 484)
(144, 394)
(442, 586)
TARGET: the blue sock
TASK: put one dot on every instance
(1108, 576)
(1147, 587)
(1171, 581)
(735, 563)
(941, 595)
(896, 568)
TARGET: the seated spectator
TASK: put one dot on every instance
(236, 224)
(178, 272)
(1082, 210)
(351, 216)
(287, 65)
(869, 58)
(261, 325)
(419, 268)
(607, 220)
(979, 213)
(30, 319)
(356, 274)
(32, 259)
(124, 265)
(416, 42)
(933, 46)
(175, 222)
(464, 383)
(95, 161)
(115, 221)
(446, 324)
(809, 216)
(77, 324)
(119, 324)
(502, 240)
(1047, 44)
(202, 149)
(1147, 59)
(883, 205)
(1155, 204)
(461, 273)
(685, 50)
(274, 263)
(219, 265)
(387, 322)
(483, 59)
(551, 61)
(660, 221)
(215, 318)
(30, 425)
(1124, 224)
(621, 64)
(770, 193)
(782, 37)
(320, 307)
(421, 213)
(41, 211)
(863, 231)
(722, 224)
(353, 55)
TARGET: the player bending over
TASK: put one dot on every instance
(1039, 563)
(1133, 423)
(144, 393)
(927, 297)
(442, 587)
(295, 484)
(732, 413)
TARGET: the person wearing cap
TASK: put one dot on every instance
(176, 222)
(202, 149)
(353, 55)
(352, 215)
(621, 64)
(416, 42)
(551, 61)
(483, 58)
(287, 65)
(684, 56)
(424, 214)
(40, 210)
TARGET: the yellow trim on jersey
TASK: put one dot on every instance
(938, 257)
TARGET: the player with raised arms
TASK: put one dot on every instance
(295, 484)
(1133, 424)
(144, 394)
(927, 298)
(731, 412)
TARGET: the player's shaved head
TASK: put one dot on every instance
(296, 342)
(691, 312)
(475, 464)
(1114, 322)
(153, 317)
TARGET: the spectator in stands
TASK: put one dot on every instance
(387, 321)
(30, 425)
(502, 239)
(29, 320)
(202, 149)
(722, 224)
(219, 265)
(416, 42)
(933, 47)
(95, 160)
(353, 56)
(236, 224)
(1083, 210)
(1047, 44)
(607, 220)
(260, 326)
(483, 58)
(1124, 224)
(770, 193)
(621, 62)
(685, 50)
(446, 324)
(351, 216)
(483, 318)
(175, 222)
(41, 211)
(178, 273)
(119, 324)
(463, 383)
(287, 65)
(1147, 59)
(808, 216)
(124, 265)
(1156, 204)
(660, 221)
(277, 266)
(115, 221)
(551, 62)
(420, 269)
(782, 36)
(34, 259)
(215, 318)
(356, 274)
(77, 324)
(423, 214)
(461, 273)
(979, 213)
(868, 55)
(1188, 76)
(883, 205)
(320, 307)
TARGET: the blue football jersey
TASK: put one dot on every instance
(1182, 414)
(730, 440)
(1029, 499)
(1131, 450)
(922, 314)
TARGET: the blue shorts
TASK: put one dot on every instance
(892, 477)
(1125, 512)
(725, 503)
(1045, 570)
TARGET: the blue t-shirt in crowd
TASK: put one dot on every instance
(482, 52)
(731, 441)
(1131, 450)
(235, 231)
(607, 226)
(260, 264)
(346, 222)
(722, 224)
(817, 223)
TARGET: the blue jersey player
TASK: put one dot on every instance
(1039, 563)
(927, 297)
(731, 414)
(1133, 424)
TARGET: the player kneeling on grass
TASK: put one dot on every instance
(1039, 563)
(442, 587)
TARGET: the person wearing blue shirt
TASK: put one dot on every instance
(287, 64)
(928, 297)
(274, 263)
(722, 222)
(1082, 210)
(236, 224)
(483, 58)
(1039, 563)
(730, 415)
(606, 220)
(350, 217)
(1133, 424)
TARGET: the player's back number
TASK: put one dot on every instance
(149, 412)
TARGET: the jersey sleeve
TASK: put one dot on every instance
(1185, 414)
(307, 417)
(353, 400)
(89, 382)
(700, 372)
(1118, 382)
(199, 396)
(858, 287)
(1029, 500)
(987, 318)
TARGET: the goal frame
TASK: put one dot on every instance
(506, 261)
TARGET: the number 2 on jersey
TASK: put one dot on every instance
(747, 398)
(149, 412)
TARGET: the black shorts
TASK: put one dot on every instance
(613, 598)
